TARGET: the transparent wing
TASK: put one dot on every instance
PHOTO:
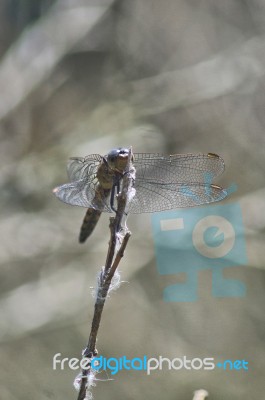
(84, 193)
(178, 168)
(84, 189)
(155, 197)
(162, 182)
(79, 168)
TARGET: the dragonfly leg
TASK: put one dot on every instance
(115, 188)
(112, 196)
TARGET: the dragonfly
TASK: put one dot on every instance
(162, 182)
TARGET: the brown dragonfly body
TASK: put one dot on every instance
(110, 169)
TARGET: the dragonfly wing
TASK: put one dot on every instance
(156, 197)
(84, 194)
(185, 168)
(80, 168)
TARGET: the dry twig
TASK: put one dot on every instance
(119, 236)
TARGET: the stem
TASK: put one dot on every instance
(110, 268)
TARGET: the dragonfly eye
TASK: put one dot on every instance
(117, 157)
(113, 154)
(123, 151)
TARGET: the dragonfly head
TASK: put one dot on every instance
(117, 158)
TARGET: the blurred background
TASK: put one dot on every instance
(80, 77)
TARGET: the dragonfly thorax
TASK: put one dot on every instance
(105, 176)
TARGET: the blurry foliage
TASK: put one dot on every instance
(21, 13)
(80, 77)
(16, 15)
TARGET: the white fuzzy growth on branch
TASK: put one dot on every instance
(200, 394)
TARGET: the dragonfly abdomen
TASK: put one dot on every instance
(89, 223)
